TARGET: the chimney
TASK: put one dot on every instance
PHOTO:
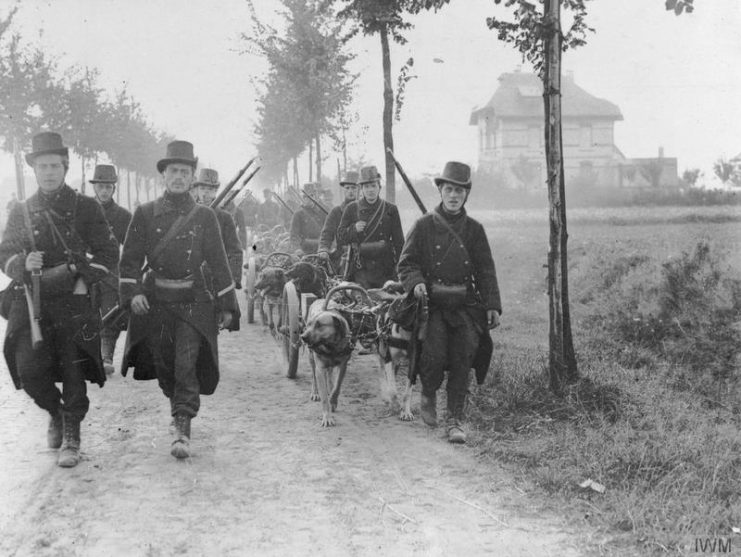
(661, 152)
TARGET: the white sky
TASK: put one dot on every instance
(676, 79)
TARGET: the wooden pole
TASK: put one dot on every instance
(20, 186)
(388, 115)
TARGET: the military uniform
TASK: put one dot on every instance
(239, 222)
(70, 352)
(328, 239)
(268, 214)
(457, 334)
(306, 225)
(175, 342)
(375, 250)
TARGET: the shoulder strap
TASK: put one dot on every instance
(176, 227)
(376, 219)
(455, 235)
(27, 223)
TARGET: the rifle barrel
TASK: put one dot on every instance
(408, 184)
(223, 193)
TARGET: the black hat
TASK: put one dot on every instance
(104, 174)
(207, 177)
(368, 174)
(46, 143)
(178, 152)
(349, 177)
(455, 173)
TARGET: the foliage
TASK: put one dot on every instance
(690, 176)
(726, 172)
(651, 170)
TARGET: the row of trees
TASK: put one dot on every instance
(35, 94)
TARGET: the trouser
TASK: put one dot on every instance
(175, 351)
(108, 338)
(36, 369)
(450, 344)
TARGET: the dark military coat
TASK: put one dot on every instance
(239, 223)
(118, 218)
(383, 223)
(268, 214)
(431, 254)
(84, 229)
(328, 236)
(197, 243)
(306, 225)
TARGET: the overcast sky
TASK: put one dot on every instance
(676, 79)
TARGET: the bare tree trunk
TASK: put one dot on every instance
(311, 161)
(136, 184)
(388, 115)
(82, 183)
(562, 358)
(20, 185)
(128, 188)
(344, 150)
(318, 159)
(295, 172)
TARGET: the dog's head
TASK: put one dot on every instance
(328, 334)
(271, 281)
(308, 278)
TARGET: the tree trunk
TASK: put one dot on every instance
(311, 162)
(118, 189)
(137, 184)
(318, 160)
(562, 359)
(344, 150)
(388, 115)
(20, 185)
(295, 172)
(128, 188)
(82, 183)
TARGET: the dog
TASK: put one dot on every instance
(269, 286)
(327, 335)
(308, 278)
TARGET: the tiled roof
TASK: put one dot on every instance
(516, 98)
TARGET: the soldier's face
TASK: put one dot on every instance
(178, 177)
(104, 192)
(206, 194)
(50, 172)
(453, 197)
(351, 192)
(371, 191)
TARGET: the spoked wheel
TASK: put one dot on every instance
(250, 281)
(289, 327)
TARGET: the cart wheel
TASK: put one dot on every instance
(250, 281)
(290, 327)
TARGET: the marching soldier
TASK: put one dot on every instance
(447, 258)
(63, 237)
(204, 189)
(306, 223)
(268, 214)
(372, 228)
(104, 185)
(328, 237)
(239, 222)
(174, 320)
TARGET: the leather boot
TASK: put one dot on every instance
(55, 432)
(107, 345)
(455, 430)
(181, 445)
(69, 454)
(454, 418)
(428, 408)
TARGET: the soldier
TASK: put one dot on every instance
(328, 237)
(306, 223)
(447, 257)
(269, 212)
(63, 236)
(174, 320)
(239, 222)
(204, 190)
(104, 185)
(372, 228)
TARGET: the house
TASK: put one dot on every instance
(511, 138)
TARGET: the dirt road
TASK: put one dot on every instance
(264, 478)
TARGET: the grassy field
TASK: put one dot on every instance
(655, 418)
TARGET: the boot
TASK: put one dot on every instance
(69, 454)
(181, 445)
(55, 431)
(107, 345)
(108, 367)
(428, 408)
(454, 418)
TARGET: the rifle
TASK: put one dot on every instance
(237, 191)
(317, 203)
(279, 198)
(407, 182)
(33, 295)
(222, 194)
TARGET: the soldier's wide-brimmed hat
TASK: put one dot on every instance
(310, 188)
(178, 152)
(349, 178)
(367, 175)
(46, 143)
(104, 174)
(455, 173)
(207, 177)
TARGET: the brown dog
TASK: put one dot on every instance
(327, 334)
(269, 287)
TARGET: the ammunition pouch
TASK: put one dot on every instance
(448, 296)
(174, 291)
(57, 280)
(372, 250)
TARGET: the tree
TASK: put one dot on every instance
(725, 171)
(652, 170)
(690, 176)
